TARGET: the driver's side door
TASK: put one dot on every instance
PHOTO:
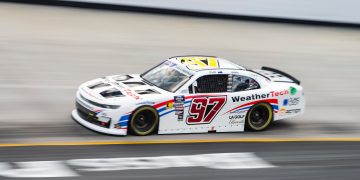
(209, 96)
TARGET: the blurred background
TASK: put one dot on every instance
(48, 48)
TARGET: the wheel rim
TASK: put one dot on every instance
(144, 121)
(260, 116)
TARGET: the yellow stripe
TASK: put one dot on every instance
(242, 140)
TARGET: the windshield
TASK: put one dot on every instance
(166, 76)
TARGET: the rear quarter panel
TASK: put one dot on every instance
(291, 103)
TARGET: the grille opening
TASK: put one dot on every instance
(111, 93)
(147, 91)
(122, 78)
(90, 116)
(98, 104)
(98, 85)
(134, 84)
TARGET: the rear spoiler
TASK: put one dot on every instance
(282, 73)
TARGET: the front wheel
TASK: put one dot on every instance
(259, 117)
(144, 121)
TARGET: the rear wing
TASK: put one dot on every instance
(275, 71)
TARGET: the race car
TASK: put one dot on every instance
(189, 94)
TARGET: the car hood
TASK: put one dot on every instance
(119, 89)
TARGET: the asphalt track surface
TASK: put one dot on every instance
(46, 52)
(271, 161)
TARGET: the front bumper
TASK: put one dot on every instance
(93, 127)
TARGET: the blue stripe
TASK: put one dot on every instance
(275, 107)
(244, 108)
(189, 101)
(126, 117)
(161, 109)
(123, 121)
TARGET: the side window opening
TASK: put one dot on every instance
(210, 84)
(243, 83)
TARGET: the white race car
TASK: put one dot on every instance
(189, 94)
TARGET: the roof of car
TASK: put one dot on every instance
(199, 62)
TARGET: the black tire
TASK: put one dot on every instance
(259, 117)
(144, 121)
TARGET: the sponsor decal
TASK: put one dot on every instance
(204, 109)
(285, 102)
(169, 105)
(294, 101)
(279, 93)
(179, 107)
(179, 113)
(292, 90)
(282, 111)
(236, 121)
(236, 116)
(132, 94)
(179, 99)
(249, 98)
(259, 96)
(293, 111)
(180, 117)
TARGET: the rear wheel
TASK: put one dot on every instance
(259, 117)
(144, 121)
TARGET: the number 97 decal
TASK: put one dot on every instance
(204, 109)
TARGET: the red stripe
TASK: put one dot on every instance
(163, 103)
(255, 102)
(172, 100)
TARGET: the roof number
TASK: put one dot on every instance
(195, 63)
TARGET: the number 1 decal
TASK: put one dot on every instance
(203, 109)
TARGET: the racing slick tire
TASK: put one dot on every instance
(144, 121)
(259, 117)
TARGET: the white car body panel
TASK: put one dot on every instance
(174, 109)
